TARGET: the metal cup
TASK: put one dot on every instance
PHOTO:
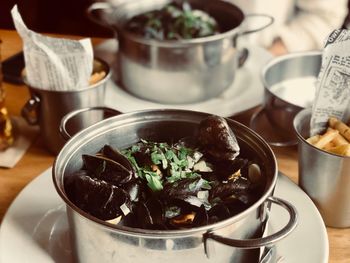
(324, 176)
(277, 110)
(47, 107)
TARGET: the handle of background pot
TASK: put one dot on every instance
(28, 111)
(259, 242)
(91, 13)
(63, 125)
(269, 22)
(244, 52)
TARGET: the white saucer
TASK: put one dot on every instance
(35, 228)
(245, 92)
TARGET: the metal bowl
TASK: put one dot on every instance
(95, 240)
(176, 71)
(289, 88)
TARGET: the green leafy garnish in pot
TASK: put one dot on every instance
(160, 163)
(172, 22)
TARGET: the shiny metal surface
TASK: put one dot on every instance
(281, 112)
(181, 71)
(47, 107)
(323, 176)
(95, 240)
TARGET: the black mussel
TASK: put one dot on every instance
(217, 138)
(190, 216)
(97, 197)
(143, 216)
(224, 170)
(185, 213)
(183, 188)
(116, 156)
(218, 212)
(150, 214)
(201, 218)
(236, 205)
(106, 169)
(195, 201)
(230, 188)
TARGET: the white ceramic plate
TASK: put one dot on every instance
(35, 228)
(245, 92)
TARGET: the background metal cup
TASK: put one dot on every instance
(324, 176)
(280, 112)
(47, 107)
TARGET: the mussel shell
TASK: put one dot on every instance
(226, 189)
(182, 188)
(116, 156)
(217, 138)
(95, 196)
(150, 214)
(106, 169)
(201, 218)
(224, 169)
(218, 212)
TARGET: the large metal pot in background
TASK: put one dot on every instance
(176, 71)
(98, 241)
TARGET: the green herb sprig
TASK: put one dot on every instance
(170, 160)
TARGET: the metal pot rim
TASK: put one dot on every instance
(103, 126)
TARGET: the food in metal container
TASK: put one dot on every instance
(336, 139)
(152, 185)
(173, 21)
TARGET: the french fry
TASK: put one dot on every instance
(328, 146)
(343, 149)
(96, 77)
(326, 138)
(339, 139)
(340, 126)
(336, 139)
(312, 140)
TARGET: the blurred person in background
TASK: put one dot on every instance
(299, 25)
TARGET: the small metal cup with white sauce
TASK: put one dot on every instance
(290, 83)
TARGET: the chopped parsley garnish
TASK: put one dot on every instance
(164, 163)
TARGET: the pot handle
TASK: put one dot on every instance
(64, 121)
(28, 111)
(91, 13)
(259, 242)
(269, 22)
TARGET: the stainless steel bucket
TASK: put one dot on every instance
(176, 71)
(97, 241)
(47, 107)
(324, 176)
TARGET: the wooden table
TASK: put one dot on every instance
(37, 159)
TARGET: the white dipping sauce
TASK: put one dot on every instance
(298, 91)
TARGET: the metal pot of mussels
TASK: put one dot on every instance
(168, 185)
(176, 51)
